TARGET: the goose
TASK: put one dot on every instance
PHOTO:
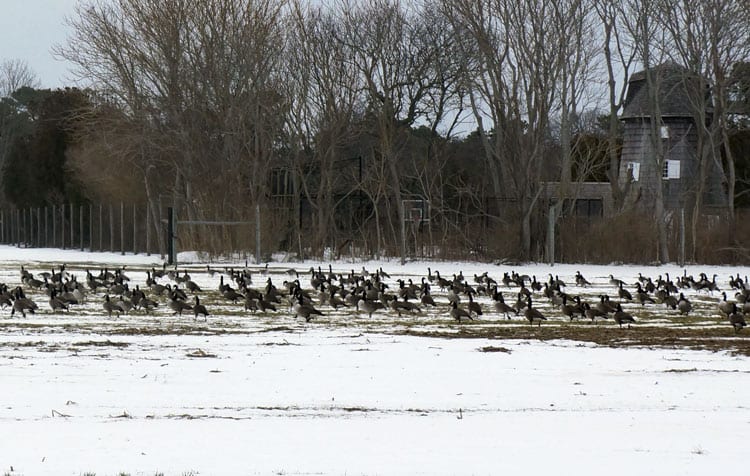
(683, 305)
(368, 305)
(624, 293)
(192, 286)
(199, 309)
(458, 314)
(404, 305)
(125, 306)
(592, 312)
(621, 316)
(533, 314)
(736, 319)
(615, 282)
(581, 281)
(110, 307)
(569, 310)
(642, 296)
(22, 304)
(56, 304)
(426, 299)
(473, 306)
(178, 305)
(305, 310)
(725, 306)
(500, 305)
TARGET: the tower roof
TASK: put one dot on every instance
(673, 83)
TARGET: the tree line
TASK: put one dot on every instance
(333, 119)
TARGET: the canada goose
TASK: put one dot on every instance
(457, 313)
(265, 304)
(533, 314)
(369, 306)
(604, 305)
(192, 286)
(305, 310)
(683, 305)
(178, 305)
(621, 316)
(22, 304)
(404, 305)
(199, 309)
(725, 306)
(453, 296)
(736, 318)
(624, 293)
(6, 298)
(535, 285)
(500, 306)
(642, 296)
(670, 301)
(581, 281)
(125, 306)
(473, 306)
(441, 282)
(56, 304)
(569, 310)
(110, 307)
(231, 295)
(592, 312)
(426, 299)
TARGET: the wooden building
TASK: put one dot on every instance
(677, 170)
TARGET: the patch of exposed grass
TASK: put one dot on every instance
(492, 348)
(708, 338)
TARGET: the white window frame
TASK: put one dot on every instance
(671, 170)
(634, 169)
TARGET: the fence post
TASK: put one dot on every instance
(551, 235)
(135, 229)
(111, 228)
(101, 229)
(62, 226)
(80, 225)
(122, 228)
(171, 238)
(257, 233)
(148, 230)
(91, 227)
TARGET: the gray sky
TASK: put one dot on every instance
(29, 29)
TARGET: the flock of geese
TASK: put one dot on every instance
(309, 294)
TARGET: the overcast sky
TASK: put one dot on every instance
(29, 29)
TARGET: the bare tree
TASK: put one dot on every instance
(203, 77)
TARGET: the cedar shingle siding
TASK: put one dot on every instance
(677, 133)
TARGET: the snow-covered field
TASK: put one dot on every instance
(265, 393)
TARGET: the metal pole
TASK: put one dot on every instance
(72, 229)
(62, 226)
(101, 228)
(111, 228)
(171, 238)
(91, 227)
(148, 230)
(682, 237)
(122, 228)
(80, 225)
(257, 233)
(135, 230)
(551, 235)
(54, 226)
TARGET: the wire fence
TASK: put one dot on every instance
(94, 227)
